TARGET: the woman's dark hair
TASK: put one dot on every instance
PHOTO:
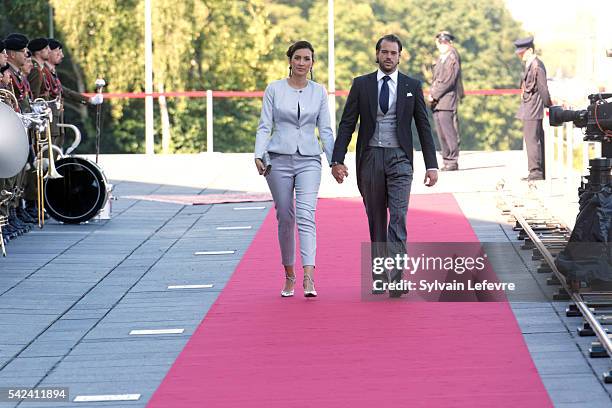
(389, 37)
(299, 46)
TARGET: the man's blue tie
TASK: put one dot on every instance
(383, 99)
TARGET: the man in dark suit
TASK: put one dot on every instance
(445, 94)
(534, 97)
(385, 102)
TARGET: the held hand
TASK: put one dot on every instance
(430, 98)
(339, 171)
(260, 166)
(431, 177)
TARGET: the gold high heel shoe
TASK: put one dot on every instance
(288, 293)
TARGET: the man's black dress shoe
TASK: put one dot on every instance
(396, 293)
(379, 283)
(533, 177)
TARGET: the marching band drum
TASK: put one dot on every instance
(14, 147)
(79, 194)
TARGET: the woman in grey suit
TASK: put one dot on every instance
(292, 109)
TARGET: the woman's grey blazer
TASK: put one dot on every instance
(279, 129)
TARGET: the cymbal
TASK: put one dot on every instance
(14, 146)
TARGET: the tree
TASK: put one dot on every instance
(241, 45)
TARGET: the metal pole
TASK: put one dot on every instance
(570, 160)
(165, 120)
(331, 55)
(598, 150)
(149, 129)
(560, 141)
(570, 147)
(548, 155)
(100, 83)
(209, 121)
(585, 157)
(51, 28)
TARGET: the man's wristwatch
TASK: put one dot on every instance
(332, 164)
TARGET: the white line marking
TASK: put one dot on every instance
(249, 208)
(215, 252)
(156, 331)
(101, 398)
(190, 286)
(247, 227)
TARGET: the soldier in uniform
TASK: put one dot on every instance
(39, 82)
(27, 67)
(3, 56)
(30, 182)
(17, 57)
(446, 92)
(534, 97)
(56, 56)
(39, 47)
(55, 90)
(5, 82)
(47, 85)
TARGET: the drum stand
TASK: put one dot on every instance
(5, 196)
(3, 223)
(106, 211)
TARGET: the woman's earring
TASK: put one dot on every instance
(289, 70)
(311, 75)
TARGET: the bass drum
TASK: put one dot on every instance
(79, 195)
(14, 147)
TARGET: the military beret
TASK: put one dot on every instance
(523, 44)
(445, 36)
(16, 35)
(16, 42)
(54, 44)
(1, 45)
(38, 44)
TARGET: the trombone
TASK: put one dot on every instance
(43, 142)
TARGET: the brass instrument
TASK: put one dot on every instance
(14, 144)
(9, 98)
(43, 142)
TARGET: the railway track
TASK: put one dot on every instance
(546, 236)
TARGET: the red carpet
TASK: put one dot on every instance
(255, 349)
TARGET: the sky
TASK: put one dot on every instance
(571, 35)
(559, 19)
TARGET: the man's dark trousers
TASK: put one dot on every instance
(386, 176)
(533, 132)
(447, 126)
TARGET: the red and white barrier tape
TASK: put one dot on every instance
(259, 94)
